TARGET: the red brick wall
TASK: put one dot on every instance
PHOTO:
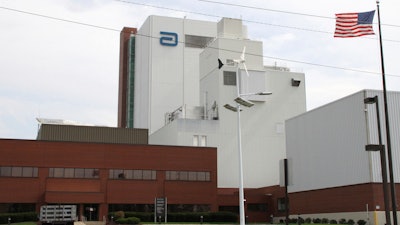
(342, 199)
(46, 154)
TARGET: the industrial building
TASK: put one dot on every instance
(74, 164)
(176, 76)
(100, 177)
(179, 93)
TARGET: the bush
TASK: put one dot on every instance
(228, 217)
(143, 216)
(118, 215)
(361, 222)
(351, 222)
(128, 220)
(342, 221)
(316, 220)
(308, 220)
(333, 222)
(18, 217)
(324, 220)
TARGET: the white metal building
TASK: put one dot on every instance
(210, 124)
(326, 151)
(167, 67)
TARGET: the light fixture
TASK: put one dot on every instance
(244, 102)
(374, 148)
(370, 100)
(295, 83)
(227, 106)
(264, 93)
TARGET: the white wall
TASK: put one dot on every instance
(263, 134)
(327, 146)
(142, 78)
(167, 76)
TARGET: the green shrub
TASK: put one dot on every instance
(143, 216)
(332, 221)
(128, 220)
(227, 217)
(119, 214)
(361, 222)
(324, 220)
(18, 217)
(317, 220)
(351, 222)
(308, 220)
(342, 221)
(207, 217)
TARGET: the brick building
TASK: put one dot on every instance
(102, 169)
(99, 177)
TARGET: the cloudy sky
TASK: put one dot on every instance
(59, 59)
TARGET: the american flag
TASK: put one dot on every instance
(354, 24)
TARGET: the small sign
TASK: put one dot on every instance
(160, 206)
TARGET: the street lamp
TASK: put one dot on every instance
(381, 148)
(239, 102)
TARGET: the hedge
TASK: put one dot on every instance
(18, 217)
(128, 220)
(184, 217)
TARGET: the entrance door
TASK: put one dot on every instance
(91, 212)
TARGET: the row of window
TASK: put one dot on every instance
(89, 173)
(73, 173)
(133, 174)
(18, 171)
(188, 176)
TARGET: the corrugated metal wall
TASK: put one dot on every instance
(93, 134)
(394, 121)
(327, 145)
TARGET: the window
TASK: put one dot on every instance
(29, 171)
(193, 41)
(188, 208)
(200, 140)
(282, 205)
(5, 171)
(133, 174)
(69, 173)
(87, 173)
(79, 173)
(18, 171)
(192, 176)
(229, 78)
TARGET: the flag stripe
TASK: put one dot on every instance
(351, 25)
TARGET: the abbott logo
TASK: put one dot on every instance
(168, 38)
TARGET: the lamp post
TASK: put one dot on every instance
(381, 148)
(241, 101)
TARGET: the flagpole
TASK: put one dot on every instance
(388, 144)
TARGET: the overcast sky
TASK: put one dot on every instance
(60, 59)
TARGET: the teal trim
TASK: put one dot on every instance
(131, 83)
